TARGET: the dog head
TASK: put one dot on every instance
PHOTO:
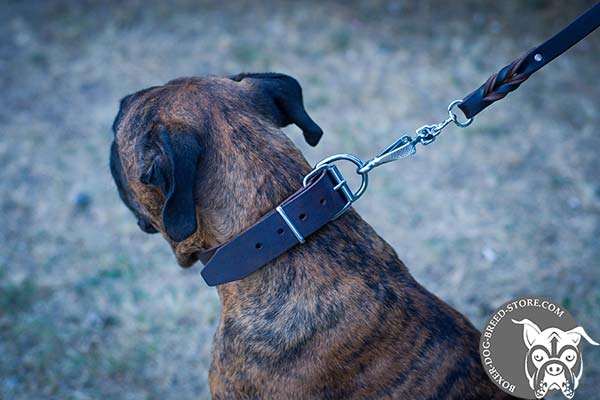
(553, 360)
(198, 158)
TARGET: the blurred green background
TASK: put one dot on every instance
(92, 308)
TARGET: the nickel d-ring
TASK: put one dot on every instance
(341, 183)
(453, 116)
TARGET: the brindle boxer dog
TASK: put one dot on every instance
(339, 317)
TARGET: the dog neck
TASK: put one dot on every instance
(331, 261)
(256, 174)
(345, 254)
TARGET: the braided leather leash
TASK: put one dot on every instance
(513, 75)
(495, 88)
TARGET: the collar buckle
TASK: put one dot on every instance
(341, 185)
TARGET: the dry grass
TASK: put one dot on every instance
(92, 308)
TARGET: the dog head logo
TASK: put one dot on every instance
(553, 361)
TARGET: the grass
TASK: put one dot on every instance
(91, 308)
(18, 297)
(245, 53)
(341, 40)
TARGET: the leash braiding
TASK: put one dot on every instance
(505, 81)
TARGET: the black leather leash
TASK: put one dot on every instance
(325, 194)
(514, 74)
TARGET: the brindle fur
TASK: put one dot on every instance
(339, 317)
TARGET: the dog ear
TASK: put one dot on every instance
(124, 106)
(530, 331)
(169, 161)
(280, 98)
(577, 333)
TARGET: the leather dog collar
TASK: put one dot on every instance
(296, 218)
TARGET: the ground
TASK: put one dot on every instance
(92, 308)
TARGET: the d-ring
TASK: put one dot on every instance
(453, 116)
(327, 163)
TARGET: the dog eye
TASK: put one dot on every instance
(570, 355)
(538, 355)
